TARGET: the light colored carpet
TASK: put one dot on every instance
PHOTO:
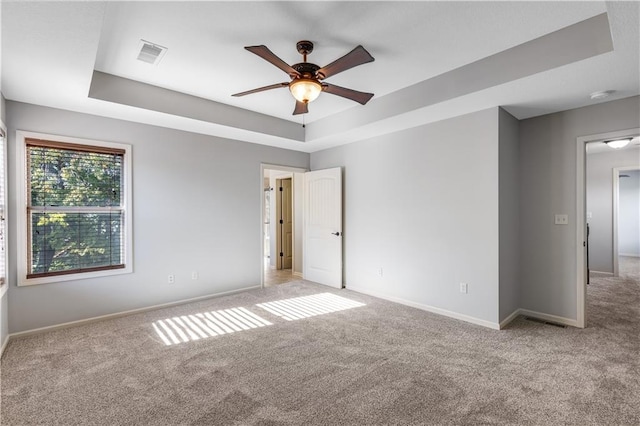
(380, 363)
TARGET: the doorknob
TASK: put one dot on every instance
(337, 234)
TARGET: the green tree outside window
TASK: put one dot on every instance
(75, 209)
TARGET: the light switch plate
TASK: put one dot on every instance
(562, 219)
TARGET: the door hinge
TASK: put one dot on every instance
(281, 254)
(280, 189)
(281, 221)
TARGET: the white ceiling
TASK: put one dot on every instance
(50, 51)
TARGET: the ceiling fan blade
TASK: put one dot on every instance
(261, 89)
(357, 56)
(268, 55)
(354, 95)
(301, 108)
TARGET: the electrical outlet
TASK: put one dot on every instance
(562, 219)
(380, 272)
(194, 275)
(464, 288)
(171, 279)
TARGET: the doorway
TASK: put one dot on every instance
(626, 215)
(598, 171)
(281, 224)
(316, 200)
(284, 223)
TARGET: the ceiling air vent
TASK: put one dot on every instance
(151, 53)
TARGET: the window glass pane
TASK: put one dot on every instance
(61, 177)
(75, 241)
(75, 212)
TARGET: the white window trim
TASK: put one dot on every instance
(21, 203)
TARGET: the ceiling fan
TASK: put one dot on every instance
(307, 78)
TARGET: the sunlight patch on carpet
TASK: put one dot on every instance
(187, 328)
(309, 306)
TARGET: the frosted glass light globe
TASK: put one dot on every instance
(305, 90)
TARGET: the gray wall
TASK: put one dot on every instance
(196, 207)
(422, 204)
(548, 146)
(629, 214)
(4, 323)
(3, 109)
(509, 219)
(600, 203)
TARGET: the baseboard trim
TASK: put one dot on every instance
(123, 313)
(428, 308)
(629, 254)
(297, 274)
(608, 274)
(505, 322)
(4, 345)
(548, 317)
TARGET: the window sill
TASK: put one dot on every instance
(23, 282)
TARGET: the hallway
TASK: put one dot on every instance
(273, 277)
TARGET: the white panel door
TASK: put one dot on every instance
(323, 227)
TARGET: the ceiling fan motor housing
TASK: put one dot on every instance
(306, 69)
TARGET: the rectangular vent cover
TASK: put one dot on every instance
(555, 324)
(150, 53)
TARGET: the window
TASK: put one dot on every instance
(75, 217)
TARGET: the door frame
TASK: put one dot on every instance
(263, 167)
(3, 181)
(581, 209)
(3, 169)
(616, 206)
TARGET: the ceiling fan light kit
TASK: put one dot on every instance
(305, 89)
(307, 79)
